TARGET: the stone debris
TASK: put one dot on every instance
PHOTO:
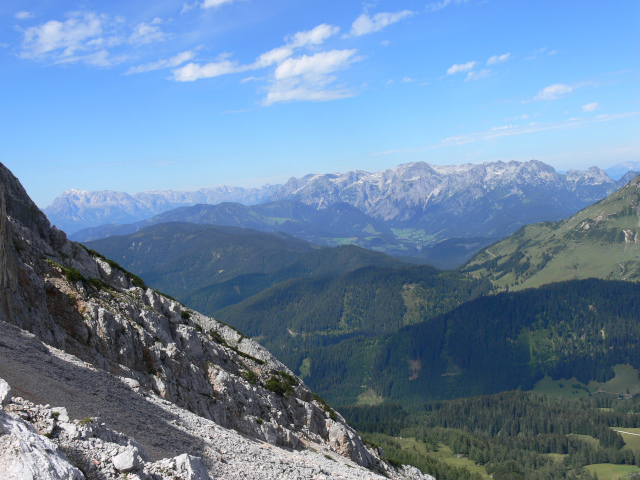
(55, 445)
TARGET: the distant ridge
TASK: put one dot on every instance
(404, 211)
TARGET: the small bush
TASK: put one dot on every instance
(276, 386)
(85, 421)
(259, 421)
(282, 384)
(326, 407)
(250, 376)
(186, 315)
(72, 275)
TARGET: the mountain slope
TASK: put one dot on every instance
(601, 241)
(328, 328)
(179, 258)
(83, 308)
(320, 262)
(508, 341)
(209, 267)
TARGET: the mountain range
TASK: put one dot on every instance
(438, 214)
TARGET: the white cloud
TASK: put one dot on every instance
(214, 3)
(192, 71)
(174, 61)
(590, 107)
(461, 67)
(146, 33)
(66, 37)
(498, 59)
(553, 92)
(408, 80)
(434, 7)
(315, 36)
(365, 24)
(315, 66)
(477, 75)
(23, 15)
(89, 38)
(308, 77)
(297, 94)
(305, 77)
(274, 56)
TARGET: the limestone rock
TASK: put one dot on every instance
(5, 393)
(25, 455)
(126, 461)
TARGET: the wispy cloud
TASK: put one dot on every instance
(146, 33)
(590, 107)
(496, 59)
(553, 92)
(435, 6)
(23, 15)
(460, 67)
(66, 37)
(215, 3)
(509, 130)
(87, 37)
(174, 61)
(193, 71)
(366, 24)
(477, 75)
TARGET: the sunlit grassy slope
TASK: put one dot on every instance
(601, 241)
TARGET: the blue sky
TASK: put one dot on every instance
(163, 94)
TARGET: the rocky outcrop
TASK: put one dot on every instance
(76, 301)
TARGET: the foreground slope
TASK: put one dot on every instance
(105, 328)
(601, 241)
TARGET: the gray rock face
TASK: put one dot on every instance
(89, 308)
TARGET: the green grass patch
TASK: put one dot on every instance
(608, 471)
(369, 397)
(625, 382)
(631, 437)
(305, 368)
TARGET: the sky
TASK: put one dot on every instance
(162, 94)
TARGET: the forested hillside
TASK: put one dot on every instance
(510, 341)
